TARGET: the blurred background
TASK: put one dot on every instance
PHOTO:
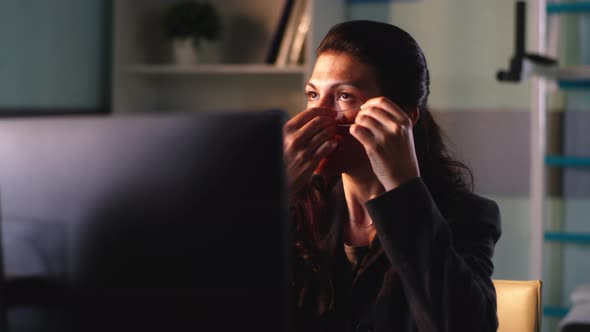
(115, 57)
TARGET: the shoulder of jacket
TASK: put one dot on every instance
(469, 206)
(472, 198)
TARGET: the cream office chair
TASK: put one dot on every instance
(519, 305)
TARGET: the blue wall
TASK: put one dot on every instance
(54, 54)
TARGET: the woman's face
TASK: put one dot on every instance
(342, 83)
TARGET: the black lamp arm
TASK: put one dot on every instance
(514, 72)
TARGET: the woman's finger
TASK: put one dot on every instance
(388, 106)
(384, 118)
(302, 137)
(368, 121)
(324, 150)
(321, 137)
(363, 135)
(301, 119)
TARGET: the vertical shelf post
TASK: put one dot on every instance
(538, 141)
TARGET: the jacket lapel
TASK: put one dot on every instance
(334, 241)
(375, 254)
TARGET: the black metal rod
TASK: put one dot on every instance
(520, 29)
(3, 300)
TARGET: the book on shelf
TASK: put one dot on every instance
(294, 37)
(297, 46)
(271, 56)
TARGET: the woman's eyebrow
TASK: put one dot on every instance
(356, 84)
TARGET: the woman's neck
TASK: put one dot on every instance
(359, 187)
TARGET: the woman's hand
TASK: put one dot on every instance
(385, 131)
(308, 138)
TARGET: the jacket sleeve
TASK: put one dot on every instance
(445, 266)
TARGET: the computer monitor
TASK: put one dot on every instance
(163, 222)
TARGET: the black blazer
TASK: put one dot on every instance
(424, 271)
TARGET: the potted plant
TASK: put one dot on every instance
(187, 23)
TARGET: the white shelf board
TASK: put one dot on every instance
(228, 69)
(563, 73)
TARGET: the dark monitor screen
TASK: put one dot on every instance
(152, 222)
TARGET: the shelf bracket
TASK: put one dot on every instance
(517, 62)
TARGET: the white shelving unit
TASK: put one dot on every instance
(215, 70)
(538, 13)
(565, 73)
(550, 238)
(233, 75)
(559, 235)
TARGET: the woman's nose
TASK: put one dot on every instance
(325, 102)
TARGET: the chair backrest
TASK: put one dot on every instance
(519, 305)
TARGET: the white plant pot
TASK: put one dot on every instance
(185, 52)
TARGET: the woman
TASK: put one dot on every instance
(389, 236)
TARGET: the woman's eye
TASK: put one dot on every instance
(311, 95)
(345, 96)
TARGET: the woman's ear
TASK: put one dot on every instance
(414, 114)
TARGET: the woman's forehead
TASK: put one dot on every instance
(333, 70)
(340, 67)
